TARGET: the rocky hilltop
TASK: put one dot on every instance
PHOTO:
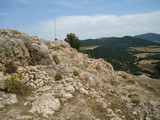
(67, 85)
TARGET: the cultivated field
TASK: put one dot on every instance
(143, 55)
(148, 61)
(146, 65)
(88, 47)
(150, 49)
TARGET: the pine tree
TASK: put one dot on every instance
(73, 40)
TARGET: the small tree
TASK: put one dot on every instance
(73, 40)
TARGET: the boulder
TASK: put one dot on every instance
(67, 95)
(39, 54)
(7, 98)
(70, 89)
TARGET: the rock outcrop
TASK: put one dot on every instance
(68, 85)
(22, 49)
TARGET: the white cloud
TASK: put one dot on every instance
(101, 25)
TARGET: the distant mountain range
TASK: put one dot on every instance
(119, 42)
(149, 36)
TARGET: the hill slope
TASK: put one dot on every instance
(120, 59)
(121, 43)
(149, 36)
(69, 85)
(118, 51)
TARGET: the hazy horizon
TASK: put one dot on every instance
(86, 18)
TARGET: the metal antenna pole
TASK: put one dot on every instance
(55, 29)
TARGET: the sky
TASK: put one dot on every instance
(85, 18)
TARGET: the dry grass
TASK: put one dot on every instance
(88, 48)
(56, 59)
(143, 55)
(146, 49)
(98, 109)
(114, 82)
(148, 61)
(130, 81)
(15, 32)
(147, 87)
(148, 67)
(58, 76)
(135, 98)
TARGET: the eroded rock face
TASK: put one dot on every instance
(71, 86)
(22, 50)
(13, 50)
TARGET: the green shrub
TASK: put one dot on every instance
(58, 76)
(14, 85)
(15, 32)
(10, 67)
(135, 99)
(76, 73)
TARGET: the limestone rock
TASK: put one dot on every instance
(1, 105)
(7, 98)
(22, 49)
(46, 105)
(83, 91)
(67, 95)
(13, 49)
(33, 77)
(70, 89)
(24, 117)
(39, 54)
(1, 81)
(116, 118)
(110, 112)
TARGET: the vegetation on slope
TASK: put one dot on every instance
(120, 43)
(73, 40)
(121, 60)
(115, 51)
(149, 36)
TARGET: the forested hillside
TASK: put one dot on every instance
(149, 36)
(120, 43)
(121, 60)
(118, 52)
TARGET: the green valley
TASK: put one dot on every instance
(127, 53)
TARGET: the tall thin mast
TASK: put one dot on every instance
(55, 29)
